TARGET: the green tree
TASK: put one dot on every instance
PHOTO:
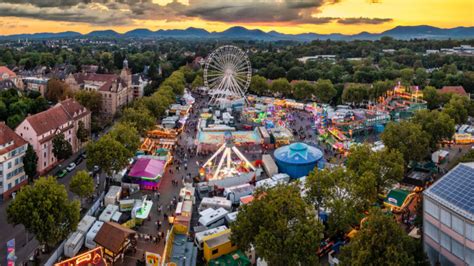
(324, 90)
(82, 184)
(30, 162)
(62, 149)
(127, 135)
(302, 90)
(408, 138)
(14, 120)
(56, 90)
(197, 82)
(107, 153)
(335, 190)
(468, 157)
(430, 95)
(437, 125)
(295, 73)
(140, 118)
(458, 109)
(92, 100)
(406, 75)
(381, 241)
(45, 210)
(82, 133)
(259, 85)
(386, 166)
(280, 235)
(281, 86)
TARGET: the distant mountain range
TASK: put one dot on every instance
(241, 33)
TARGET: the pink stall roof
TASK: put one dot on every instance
(148, 168)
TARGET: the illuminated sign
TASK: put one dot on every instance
(11, 252)
(152, 259)
(91, 257)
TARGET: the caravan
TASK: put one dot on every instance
(108, 212)
(213, 219)
(235, 193)
(215, 203)
(85, 224)
(201, 236)
(231, 217)
(90, 243)
(73, 244)
(113, 195)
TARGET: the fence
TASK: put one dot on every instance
(60, 250)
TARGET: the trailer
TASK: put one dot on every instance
(116, 217)
(213, 219)
(269, 165)
(215, 203)
(187, 209)
(187, 193)
(108, 212)
(73, 244)
(235, 193)
(126, 205)
(231, 217)
(201, 236)
(85, 224)
(281, 178)
(113, 195)
(266, 183)
(90, 243)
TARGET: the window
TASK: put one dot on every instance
(10, 186)
(457, 224)
(17, 181)
(445, 217)
(431, 208)
(457, 249)
(44, 155)
(470, 232)
(445, 241)
(215, 251)
(469, 256)
(431, 231)
(9, 165)
(44, 164)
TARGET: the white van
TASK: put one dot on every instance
(90, 243)
(199, 237)
(281, 178)
(214, 219)
(235, 193)
(231, 217)
(215, 203)
(73, 244)
(266, 183)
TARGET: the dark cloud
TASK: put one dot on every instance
(126, 12)
(362, 20)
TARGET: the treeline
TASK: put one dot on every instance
(113, 150)
(16, 105)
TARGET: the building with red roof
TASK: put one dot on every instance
(7, 74)
(12, 151)
(116, 90)
(40, 129)
(458, 90)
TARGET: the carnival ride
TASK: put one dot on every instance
(227, 73)
(231, 163)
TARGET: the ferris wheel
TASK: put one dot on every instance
(227, 74)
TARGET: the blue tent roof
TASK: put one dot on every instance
(298, 153)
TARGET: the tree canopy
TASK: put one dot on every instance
(82, 184)
(62, 149)
(280, 235)
(45, 210)
(107, 153)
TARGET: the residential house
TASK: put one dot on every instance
(139, 82)
(116, 90)
(7, 74)
(38, 84)
(448, 218)
(40, 129)
(12, 151)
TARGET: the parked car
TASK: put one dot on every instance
(78, 160)
(71, 167)
(84, 155)
(61, 173)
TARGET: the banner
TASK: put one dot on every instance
(11, 252)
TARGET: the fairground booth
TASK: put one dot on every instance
(148, 171)
(298, 159)
(211, 141)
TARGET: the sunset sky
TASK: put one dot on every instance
(288, 16)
